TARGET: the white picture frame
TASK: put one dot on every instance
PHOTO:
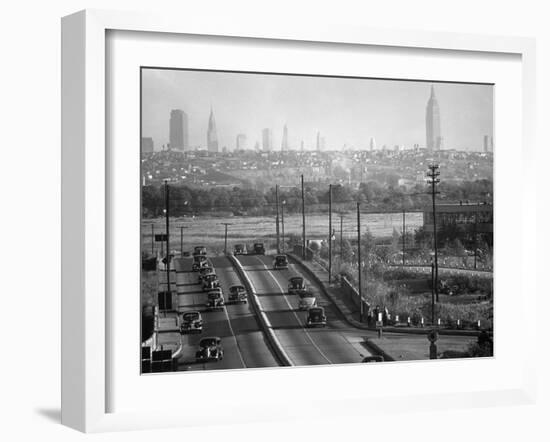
(85, 202)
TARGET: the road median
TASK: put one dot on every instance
(265, 324)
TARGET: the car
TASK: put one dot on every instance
(199, 261)
(280, 262)
(210, 349)
(237, 293)
(239, 249)
(316, 317)
(295, 284)
(215, 300)
(205, 271)
(376, 358)
(210, 281)
(258, 248)
(199, 250)
(307, 300)
(191, 322)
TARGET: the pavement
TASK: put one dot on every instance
(337, 343)
(245, 345)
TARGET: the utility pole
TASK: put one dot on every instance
(433, 180)
(152, 239)
(225, 238)
(475, 241)
(433, 293)
(181, 239)
(359, 270)
(303, 220)
(341, 237)
(329, 233)
(167, 209)
(283, 202)
(404, 231)
(277, 218)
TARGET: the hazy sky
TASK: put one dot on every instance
(345, 111)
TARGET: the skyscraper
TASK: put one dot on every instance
(487, 143)
(372, 143)
(433, 125)
(318, 146)
(241, 142)
(267, 139)
(179, 132)
(284, 143)
(211, 134)
(147, 145)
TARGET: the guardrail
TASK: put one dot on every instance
(265, 324)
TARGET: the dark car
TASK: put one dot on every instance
(199, 261)
(237, 293)
(316, 317)
(205, 271)
(199, 250)
(210, 281)
(259, 248)
(280, 262)
(306, 300)
(295, 284)
(376, 358)
(191, 322)
(239, 249)
(210, 349)
(215, 300)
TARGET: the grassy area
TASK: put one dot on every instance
(209, 230)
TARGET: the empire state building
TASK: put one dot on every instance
(211, 134)
(434, 141)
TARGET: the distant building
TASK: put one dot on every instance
(434, 140)
(211, 134)
(147, 145)
(372, 143)
(284, 143)
(320, 142)
(179, 132)
(487, 143)
(241, 142)
(267, 139)
(302, 146)
(467, 216)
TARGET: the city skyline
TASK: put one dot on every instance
(348, 113)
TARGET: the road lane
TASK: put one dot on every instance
(243, 342)
(334, 344)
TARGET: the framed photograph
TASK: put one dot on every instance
(291, 222)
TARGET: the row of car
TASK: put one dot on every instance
(307, 301)
(210, 348)
(241, 249)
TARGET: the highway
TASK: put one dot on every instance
(337, 343)
(244, 343)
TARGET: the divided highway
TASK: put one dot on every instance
(337, 343)
(244, 343)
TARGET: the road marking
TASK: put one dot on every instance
(292, 310)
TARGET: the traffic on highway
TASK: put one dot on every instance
(251, 310)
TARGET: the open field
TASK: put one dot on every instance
(209, 231)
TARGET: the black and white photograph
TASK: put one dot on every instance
(299, 220)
